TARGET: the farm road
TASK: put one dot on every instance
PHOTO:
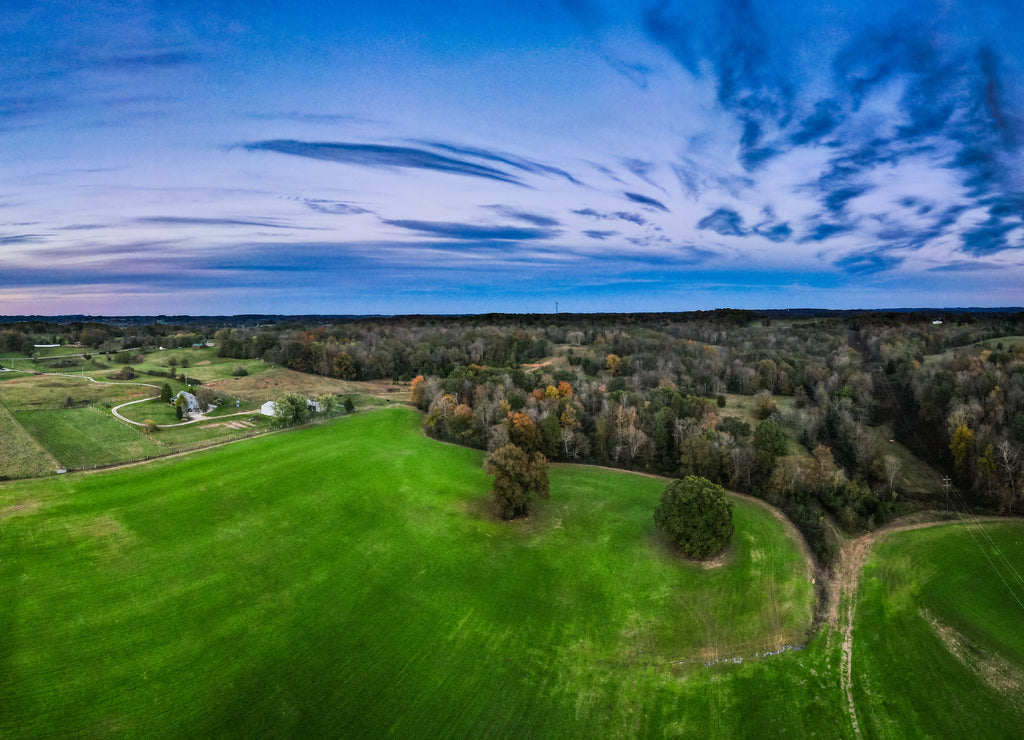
(844, 580)
(195, 420)
(116, 410)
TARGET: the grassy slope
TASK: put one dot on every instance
(340, 580)
(51, 391)
(20, 455)
(906, 682)
(85, 436)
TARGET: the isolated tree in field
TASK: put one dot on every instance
(696, 515)
(517, 476)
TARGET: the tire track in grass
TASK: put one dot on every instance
(843, 584)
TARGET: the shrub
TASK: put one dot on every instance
(696, 515)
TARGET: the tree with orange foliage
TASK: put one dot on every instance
(523, 433)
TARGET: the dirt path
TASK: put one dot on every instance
(843, 585)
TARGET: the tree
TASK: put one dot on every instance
(165, 393)
(517, 476)
(291, 409)
(328, 402)
(769, 438)
(961, 445)
(696, 515)
(205, 397)
(349, 405)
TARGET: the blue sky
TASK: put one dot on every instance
(336, 157)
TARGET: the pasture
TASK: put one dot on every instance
(938, 649)
(343, 580)
(20, 455)
(88, 436)
(53, 392)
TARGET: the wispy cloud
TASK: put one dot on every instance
(530, 218)
(453, 230)
(645, 200)
(725, 222)
(199, 221)
(382, 156)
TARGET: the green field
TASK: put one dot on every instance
(20, 455)
(344, 580)
(907, 680)
(85, 437)
(53, 391)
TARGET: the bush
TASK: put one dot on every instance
(239, 371)
(696, 515)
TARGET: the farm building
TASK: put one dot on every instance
(270, 407)
(191, 404)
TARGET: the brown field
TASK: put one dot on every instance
(279, 381)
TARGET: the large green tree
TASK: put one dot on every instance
(696, 515)
(517, 476)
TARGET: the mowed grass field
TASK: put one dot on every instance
(938, 647)
(86, 436)
(20, 455)
(344, 580)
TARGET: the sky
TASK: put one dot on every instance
(224, 157)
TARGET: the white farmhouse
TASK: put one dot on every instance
(191, 404)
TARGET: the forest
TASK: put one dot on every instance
(842, 419)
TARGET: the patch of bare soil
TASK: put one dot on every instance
(996, 671)
(23, 508)
(204, 362)
(235, 424)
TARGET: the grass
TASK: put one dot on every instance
(20, 455)
(343, 580)
(85, 437)
(907, 682)
(52, 391)
(214, 431)
(916, 479)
